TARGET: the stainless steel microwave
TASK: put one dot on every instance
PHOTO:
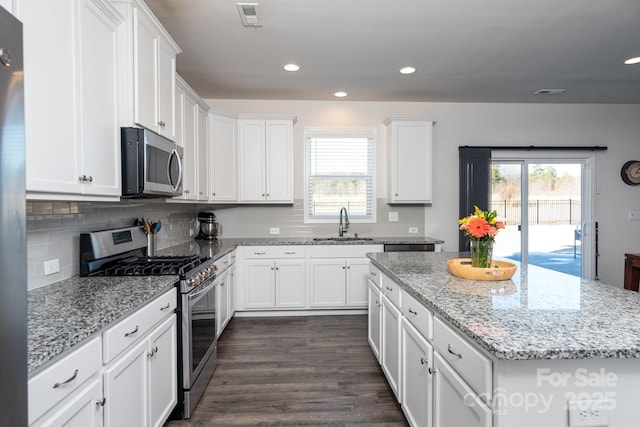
(151, 164)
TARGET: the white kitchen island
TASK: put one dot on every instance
(517, 353)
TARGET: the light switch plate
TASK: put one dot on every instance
(274, 230)
(413, 230)
(393, 217)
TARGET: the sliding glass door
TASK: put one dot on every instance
(545, 203)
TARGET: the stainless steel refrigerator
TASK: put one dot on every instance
(13, 251)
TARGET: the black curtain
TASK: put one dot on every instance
(475, 184)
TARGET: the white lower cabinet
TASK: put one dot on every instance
(455, 404)
(222, 302)
(141, 386)
(275, 284)
(126, 389)
(163, 376)
(375, 317)
(338, 275)
(83, 409)
(416, 376)
(126, 376)
(435, 373)
(391, 317)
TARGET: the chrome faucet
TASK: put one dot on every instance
(342, 228)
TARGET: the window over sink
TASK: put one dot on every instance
(339, 172)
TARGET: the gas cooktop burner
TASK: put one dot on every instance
(154, 266)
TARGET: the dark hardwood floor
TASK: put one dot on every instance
(296, 371)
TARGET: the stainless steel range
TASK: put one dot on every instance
(121, 252)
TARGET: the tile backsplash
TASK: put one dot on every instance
(54, 227)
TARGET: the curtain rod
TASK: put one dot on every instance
(536, 148)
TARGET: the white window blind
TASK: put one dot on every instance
(339, 174)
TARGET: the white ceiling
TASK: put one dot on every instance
(464, 50)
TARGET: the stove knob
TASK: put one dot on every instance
(192, 282)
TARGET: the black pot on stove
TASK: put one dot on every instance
(209, 228)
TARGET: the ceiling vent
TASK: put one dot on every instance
(550, 92)
(249, 14)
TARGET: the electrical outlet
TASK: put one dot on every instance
(274, 230)
(413, 230)
(51, 267)
(191, 232)
(634, 216)
(393, 217)
(586, 413)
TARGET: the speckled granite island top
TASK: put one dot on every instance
(537, 314)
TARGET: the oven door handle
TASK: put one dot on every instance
(202, 291)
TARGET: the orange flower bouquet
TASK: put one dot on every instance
(481, 227)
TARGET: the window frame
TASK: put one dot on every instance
(317, 132)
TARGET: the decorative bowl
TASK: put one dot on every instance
(461, 267)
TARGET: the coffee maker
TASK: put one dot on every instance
(209, 228)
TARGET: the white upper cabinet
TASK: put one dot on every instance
(148, 73)
(191, 123)
(202, 151)
(223, 157)
(265, 157)
(410, 156)
(72, 133)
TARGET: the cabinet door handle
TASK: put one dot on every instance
(431, 370)
(165, 307)
(412, 312)
(128, 334)
(424, 361)
(373, 273)
(67, 381)
(452, 351)
(101, 402)
(388, 288)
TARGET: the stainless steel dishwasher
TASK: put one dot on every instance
(409, 247)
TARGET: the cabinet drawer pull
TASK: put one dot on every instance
(128, 334)
(73, 377)
(165, 307)
(452, 351)
(412, 312)
(101, 402)
(290, 253)
(373, 273)
(259, 253)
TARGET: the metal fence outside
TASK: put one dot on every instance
(557, 212)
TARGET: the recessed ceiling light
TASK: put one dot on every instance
(407, 70)
(291, 67)
(632, 61)
(550, 92)
(340, 94)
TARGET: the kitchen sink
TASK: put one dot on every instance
(341, 239)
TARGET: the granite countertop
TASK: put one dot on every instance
(537, 314)
(68, 313)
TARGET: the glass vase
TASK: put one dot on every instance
(481, 252)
